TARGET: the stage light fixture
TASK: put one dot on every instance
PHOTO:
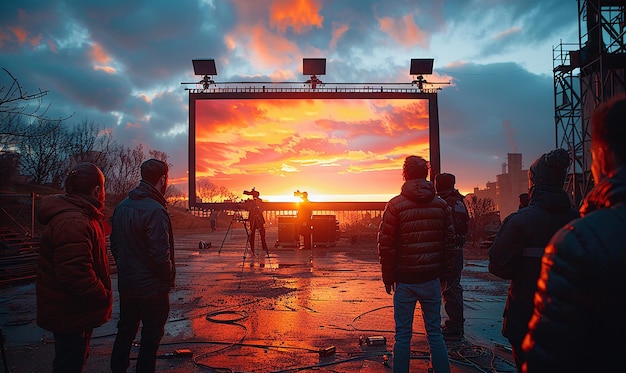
(422, 66)
(314, 66)
(204, 67)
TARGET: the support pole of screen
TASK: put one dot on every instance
(191, 173)
(433, 133)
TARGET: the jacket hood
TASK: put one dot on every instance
(146, 190)
(59, 203)
(606, 194)
(549, 197)
(419, 190)
(450, 192)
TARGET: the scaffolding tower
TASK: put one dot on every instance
(587, 74)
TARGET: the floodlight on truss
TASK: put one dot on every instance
(421, 66)
(206, 68)
(314, 67)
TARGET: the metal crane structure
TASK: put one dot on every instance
(587, 74)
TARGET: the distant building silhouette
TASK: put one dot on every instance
(505, 192)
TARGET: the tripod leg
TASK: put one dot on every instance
(226, 235)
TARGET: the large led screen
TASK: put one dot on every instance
(334, 149)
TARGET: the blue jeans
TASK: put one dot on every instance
(152, 313)
(71, 351)
(404, 301)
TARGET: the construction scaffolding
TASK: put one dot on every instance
(587, 74)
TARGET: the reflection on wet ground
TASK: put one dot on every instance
(291, 310)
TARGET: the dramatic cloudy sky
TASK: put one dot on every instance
(121, 64)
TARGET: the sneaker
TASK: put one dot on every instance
(451, 334)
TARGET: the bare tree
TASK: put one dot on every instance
(206, 190)
(174, 195)
(480, 210)
(125, 172)
(15, 101)
(42, 156)
(160, 155)
(226, 194)
(88, 142)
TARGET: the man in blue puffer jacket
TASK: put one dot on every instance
(416, 250)
(578, 322)
(143, 247)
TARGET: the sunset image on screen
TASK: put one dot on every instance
(335, 149)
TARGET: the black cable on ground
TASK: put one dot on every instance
(335, 362)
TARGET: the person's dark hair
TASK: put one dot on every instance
(152, 170)
(83, 178)
(523, 200)
(415, 167)
(444, 181)
(608, 126)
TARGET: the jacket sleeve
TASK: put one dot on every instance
(505, 252)
(74, 261)
(387, 244)
(449, 253)
(563, 305)
(159, 244)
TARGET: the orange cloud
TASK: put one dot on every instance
(99, 55)
(51, 45)
(404, 31)
(338, 31)
(106, 69)
(505, 33)
(20, 33)
(133, 125)
(300, 15)
(268, 50)
(35, 41)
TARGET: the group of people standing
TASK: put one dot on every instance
(74, 292)
(565, 304)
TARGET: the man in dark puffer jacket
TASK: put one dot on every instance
(416, 249)
(143, 247)
(73, 285)
(578, 322)
(517, 248)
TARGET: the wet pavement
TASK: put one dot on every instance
(294, 310)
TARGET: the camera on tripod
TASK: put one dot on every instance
(252, 193)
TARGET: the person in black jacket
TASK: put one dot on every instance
(257, 223)
(518, 246)
(416, 249)
(143, 247)
(578, 322)
(452, 292)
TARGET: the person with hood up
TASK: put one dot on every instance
(73, 282)
(416, 249)
(519, 244)
(578, 323)
(143, 246)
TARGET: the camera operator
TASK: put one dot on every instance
(304, 218)
(257, 221)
